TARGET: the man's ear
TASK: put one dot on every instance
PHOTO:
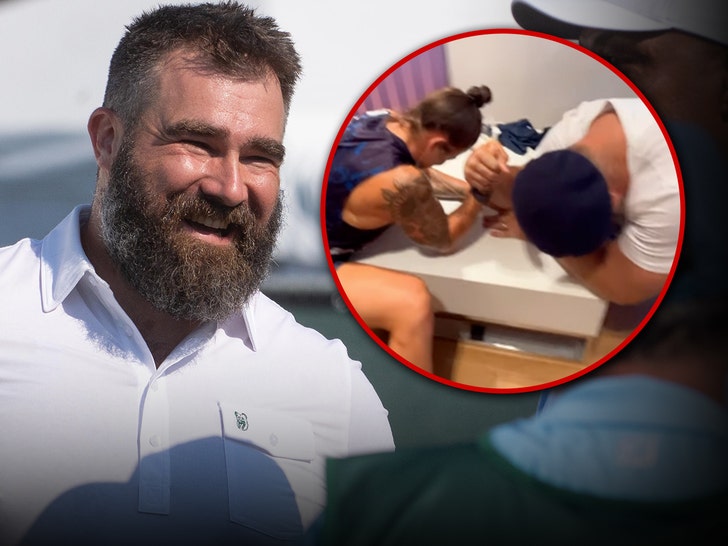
(617, 200)
(106, 132)
(439, 142)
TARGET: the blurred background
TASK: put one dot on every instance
(54, 60)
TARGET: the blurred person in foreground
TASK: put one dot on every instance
(632, 454)
(150, 392)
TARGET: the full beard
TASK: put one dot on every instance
(176, 273)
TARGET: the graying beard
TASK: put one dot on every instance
(184, 286)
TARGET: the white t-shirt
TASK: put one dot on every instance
(226, 439)
(651, 230)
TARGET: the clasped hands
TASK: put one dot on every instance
(487, 171)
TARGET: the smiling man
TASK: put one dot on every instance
(149, 390)
(199, 208)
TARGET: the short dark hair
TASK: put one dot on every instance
(227, 38)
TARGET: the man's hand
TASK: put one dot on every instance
(487, 167)
(504, 225)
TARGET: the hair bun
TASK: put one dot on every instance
(480, 95)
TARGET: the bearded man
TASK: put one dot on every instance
(149, 390)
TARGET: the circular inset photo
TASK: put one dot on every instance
(502, 211)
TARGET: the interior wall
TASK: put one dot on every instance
(409, 83)
(530, 77)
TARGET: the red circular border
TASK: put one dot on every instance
(464, 386)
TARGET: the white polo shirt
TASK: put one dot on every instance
(227, 439)
(651, 229)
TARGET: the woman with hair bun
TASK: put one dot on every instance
(381, 175)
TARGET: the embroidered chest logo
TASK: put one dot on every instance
(241, 420)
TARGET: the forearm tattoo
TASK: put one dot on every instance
(445, 188)
(414, 207)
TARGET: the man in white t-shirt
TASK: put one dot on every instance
(602, 197)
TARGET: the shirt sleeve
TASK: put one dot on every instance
(369, 429)
(652, 204)
(572, 126)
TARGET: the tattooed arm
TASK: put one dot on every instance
(446, 186)
(412, 204)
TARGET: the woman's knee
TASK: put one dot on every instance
(418, 305)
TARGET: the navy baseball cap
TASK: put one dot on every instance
(562, 204)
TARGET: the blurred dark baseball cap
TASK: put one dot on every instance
(562, 203)
(567, 18)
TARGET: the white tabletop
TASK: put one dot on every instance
(489, 279)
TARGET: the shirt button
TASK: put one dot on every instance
(154, 386)
(154, 441)
(273, 440)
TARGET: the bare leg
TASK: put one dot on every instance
(396, 302)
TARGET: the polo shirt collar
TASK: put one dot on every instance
(64, 263)
(249, 323)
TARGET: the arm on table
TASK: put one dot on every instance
(609, 274)
(405, 196)
(446, 186)
(413, 205)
